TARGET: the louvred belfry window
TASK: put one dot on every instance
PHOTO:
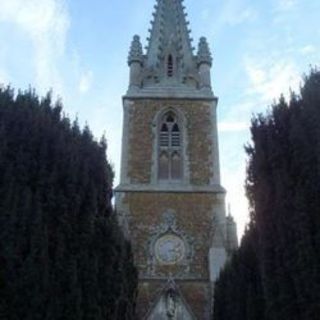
(170, 66)
(169, 148)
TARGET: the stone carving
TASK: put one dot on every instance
(169, 218)
(169, 245)
(136, 53)
(204, 54)
(170, 249)
(171, 305)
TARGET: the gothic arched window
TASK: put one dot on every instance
(169, 148)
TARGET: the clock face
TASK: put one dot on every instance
(170, 249)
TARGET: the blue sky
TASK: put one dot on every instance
(79, 49)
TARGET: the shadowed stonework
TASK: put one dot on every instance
(170, 202)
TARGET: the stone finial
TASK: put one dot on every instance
(136, 53)
(204, 54)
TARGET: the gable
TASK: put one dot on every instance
(170, 305)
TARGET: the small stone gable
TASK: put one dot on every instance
(170, 302)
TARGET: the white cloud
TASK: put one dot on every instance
(285, 5)
(46, 23)
(85, 82)
(308, 49)
(272, 78)
(234, 126)
(235, 12)
(235, 18)
(232, 13)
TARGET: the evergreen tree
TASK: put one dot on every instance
(238, 291)
(283, 187)
(63, 255)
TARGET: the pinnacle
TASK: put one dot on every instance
(204, 54)
(136, 53)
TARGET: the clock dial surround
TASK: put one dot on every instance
(170, 249)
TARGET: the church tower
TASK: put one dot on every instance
(170, 202)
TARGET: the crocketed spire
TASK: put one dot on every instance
(169, 64)
(169, 34)
(204, 54)
(136, 53)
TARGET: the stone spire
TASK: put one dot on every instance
(232, 235)
(169, 65)
(169, 35)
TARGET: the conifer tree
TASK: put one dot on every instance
(283, 187)
(63, 255)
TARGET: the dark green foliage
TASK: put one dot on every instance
(283, 186)
(238, 291)
(62, 254)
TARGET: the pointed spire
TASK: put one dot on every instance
(169, 34)
(232, 236)
(229, 210)
(169, 61)
(204, 54)
(136, 53)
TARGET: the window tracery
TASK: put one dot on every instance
(169, 148)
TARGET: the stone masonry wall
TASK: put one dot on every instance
(145, 211)
(194, 216)
(141, 138)
(194, 220)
